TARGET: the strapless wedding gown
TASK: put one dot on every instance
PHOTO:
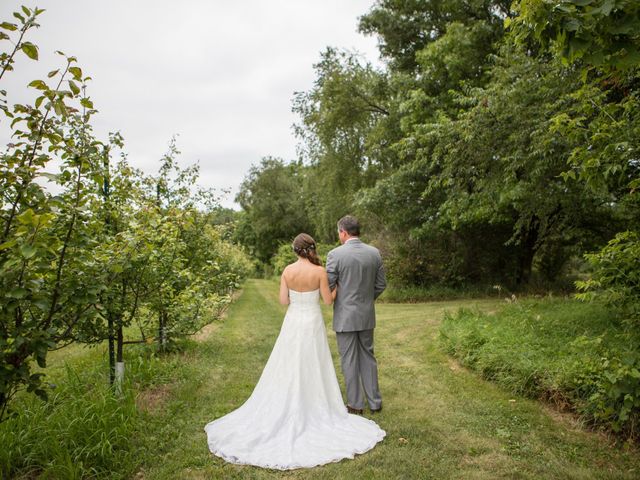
(295, 417)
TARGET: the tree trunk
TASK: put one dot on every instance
(112, 352)
(119, 371)
(162, 334)
(528, 247)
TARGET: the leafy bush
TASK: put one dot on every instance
(416, 294)
(573, 354)
(616, 277)
(609, 380)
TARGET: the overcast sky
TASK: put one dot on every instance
(220, 74)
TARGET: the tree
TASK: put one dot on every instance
(601, 38)
(405, 27)
(345, 125)
(491, 177)
(76, 265)
(46, 240)
(601, 33)
(272, 197)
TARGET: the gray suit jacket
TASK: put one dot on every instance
(356, 268)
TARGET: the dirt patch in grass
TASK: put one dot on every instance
(207, 331)
(455, 367)
(152, 399)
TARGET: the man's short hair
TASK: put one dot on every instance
(349, 224)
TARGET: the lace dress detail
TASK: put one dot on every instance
(295, 417)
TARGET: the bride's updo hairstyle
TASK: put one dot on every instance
(305, 246)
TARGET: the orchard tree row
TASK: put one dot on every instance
(90, 248)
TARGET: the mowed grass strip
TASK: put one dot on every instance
(442, 421)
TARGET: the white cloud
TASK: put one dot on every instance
(221, 74)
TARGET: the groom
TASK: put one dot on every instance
(355, 268)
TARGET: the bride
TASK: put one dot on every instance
(295, 417)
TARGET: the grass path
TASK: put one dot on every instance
(441, 420)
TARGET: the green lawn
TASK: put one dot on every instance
(442, 421)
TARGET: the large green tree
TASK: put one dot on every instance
(475, 156)
(494, 172)
(405, 27)
(273, 200)
(346, 123)
(601, 39)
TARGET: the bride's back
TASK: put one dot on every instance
(303, 276)
(307, 274)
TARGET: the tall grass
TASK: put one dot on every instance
(85, 429)
(573, 354)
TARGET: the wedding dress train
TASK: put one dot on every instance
(295, 417)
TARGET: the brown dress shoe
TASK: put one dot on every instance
(356, 411)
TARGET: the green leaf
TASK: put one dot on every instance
(604, 9)
(76, 72)
(39, 84)
(572, 25)
(624, 27)
(53, 73)
(582, 3)
(42, 304)
(26, 217)
(630, 59)
(27, 251)
(54, 177)
(8, 244)
(19, 17)
(26, 11)
(30, 50)
(59, 107)
(17, 293)
(9, 26)
(74, 87)
(85, 102)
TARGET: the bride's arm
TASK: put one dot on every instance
(327, 298)
(284, 291)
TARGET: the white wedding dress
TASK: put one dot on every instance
(295, 417)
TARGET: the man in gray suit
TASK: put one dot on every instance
(355, 268)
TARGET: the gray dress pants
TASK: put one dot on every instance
(359, 365)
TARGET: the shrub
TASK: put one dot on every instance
(616, 277)
(415, 294)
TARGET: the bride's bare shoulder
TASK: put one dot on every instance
(288, 270)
